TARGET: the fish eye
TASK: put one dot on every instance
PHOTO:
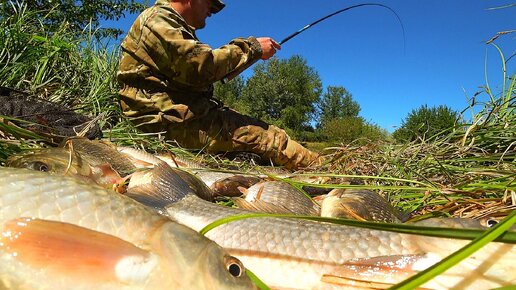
(235, 267)
(40, 166)
(235, 270)
(488, 222)
(491, 223)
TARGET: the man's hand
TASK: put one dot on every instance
(269, 47)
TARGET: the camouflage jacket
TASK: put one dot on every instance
(166, 73)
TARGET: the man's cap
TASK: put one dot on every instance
(216, 6)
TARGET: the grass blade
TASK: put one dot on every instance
(259, 283)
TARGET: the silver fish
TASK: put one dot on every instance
(358, 204)
(277, 197)
(61, 233)
(68, 162)
(226, 183)
(100, 152)
(181, 180)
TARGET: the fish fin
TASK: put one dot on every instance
(146, 195)
(166, 177)
(158, 187)
(374, 273)
(140, 178)
(243, 190)
(140, 163)
(64, 249)
(332, 206)
(104, 174)
(261, 206)
(319, 198)
(259, 192)
(106, 169)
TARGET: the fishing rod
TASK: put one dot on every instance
(340, 11)
(233, 74)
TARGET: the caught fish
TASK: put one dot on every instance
(277, 197)
(60, 233)
(195, 184)
(358, 204)
(220, 183)
(226, 183)
(144, 159)
(301, 254)
(100, 152)
(180, 181)
(230, 186)
(65, 162)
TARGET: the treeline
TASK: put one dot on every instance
(289, 94)
(54, 49)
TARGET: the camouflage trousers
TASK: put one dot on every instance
(224, 129)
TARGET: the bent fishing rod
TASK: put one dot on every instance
(235, 73)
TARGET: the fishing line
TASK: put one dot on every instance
(342, 10)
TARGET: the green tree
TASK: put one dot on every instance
(335, 103)
(283, 92)
(230, 94)
(426, 122)
(77, 14)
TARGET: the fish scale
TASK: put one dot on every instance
(277, 197)
(298, 238)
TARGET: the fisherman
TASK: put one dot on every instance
(167, 78)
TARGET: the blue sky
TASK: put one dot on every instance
(442, 61)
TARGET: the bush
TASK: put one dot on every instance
(424, 123)
(350, 129)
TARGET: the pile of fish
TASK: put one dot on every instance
(145, 237)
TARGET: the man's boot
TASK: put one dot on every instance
(295, 156)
